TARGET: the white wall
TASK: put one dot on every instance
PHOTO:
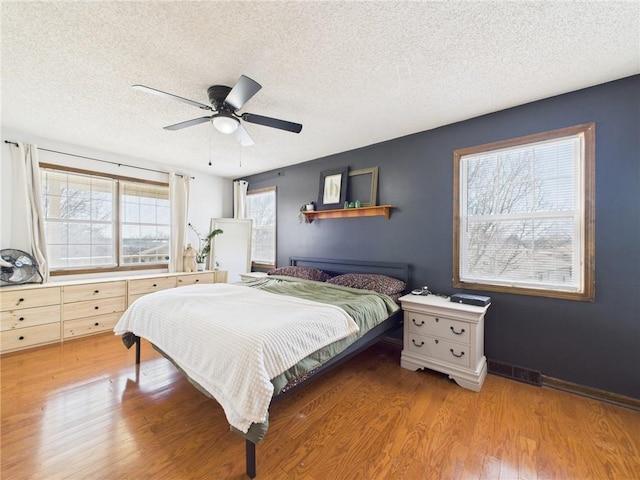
(210, 196)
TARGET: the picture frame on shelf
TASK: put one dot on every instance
(332, 191)
(363, 186)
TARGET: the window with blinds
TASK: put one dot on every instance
(524, 221)
(97, 222)
(261, 208)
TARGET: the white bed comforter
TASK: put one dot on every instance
(232, 339)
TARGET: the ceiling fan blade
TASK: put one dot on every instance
(243, 137)
(188, 123)
(272, 122)
(242, 91)
(160, 93)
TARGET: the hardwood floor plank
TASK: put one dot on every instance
(83, 410)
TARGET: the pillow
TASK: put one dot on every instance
(378, 283)
(306, 273)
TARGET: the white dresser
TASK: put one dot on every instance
(445, 336)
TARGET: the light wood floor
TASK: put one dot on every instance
(81, 410)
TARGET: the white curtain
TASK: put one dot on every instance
(27, 222)
(179, 200)
(240, 198)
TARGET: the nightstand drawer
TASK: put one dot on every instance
(88, 326)
(92, 308)
(437, 348)
(27, 298)
(30, 317)
(196, 278)
(30, 336)
(93, 291)
(437, 326)
(149, 285)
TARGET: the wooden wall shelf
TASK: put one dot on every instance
(377, 211)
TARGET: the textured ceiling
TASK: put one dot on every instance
(353, 73)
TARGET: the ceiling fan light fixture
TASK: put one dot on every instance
(225, 124)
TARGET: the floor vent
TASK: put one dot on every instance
(517, 373)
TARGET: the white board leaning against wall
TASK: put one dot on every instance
(232, 248)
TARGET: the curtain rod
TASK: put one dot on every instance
(98, 160)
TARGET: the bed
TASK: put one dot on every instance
(272, 335)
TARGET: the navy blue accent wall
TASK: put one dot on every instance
(593, 344)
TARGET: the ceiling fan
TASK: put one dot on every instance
(225, 103)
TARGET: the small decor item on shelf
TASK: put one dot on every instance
(358, 204)
(307, 207)
(190, 259)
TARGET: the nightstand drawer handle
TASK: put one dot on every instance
(453, 353)
(417, 345)
(457, 333)
(416, 323)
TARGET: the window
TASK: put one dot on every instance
(261, 207)
(97, 222)
(524, 215)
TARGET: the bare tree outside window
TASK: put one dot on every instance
(521, 222)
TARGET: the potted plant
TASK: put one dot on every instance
(204, 246)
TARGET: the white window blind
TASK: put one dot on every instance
(521, 215)
(261, 207)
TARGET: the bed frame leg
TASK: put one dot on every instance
(137, 350)
(250, 455)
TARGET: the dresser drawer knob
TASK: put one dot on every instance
(155, 284)
(96, 291)
(417, 344)
(437, 319)
(96, 324)
(197, 280)
(20, 300)
(21, 337)
(21, 319)
(454, 354)
(416, 323)
(457, 333)
(96, 307)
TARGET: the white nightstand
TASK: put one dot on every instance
(445, 336)
(245, 277)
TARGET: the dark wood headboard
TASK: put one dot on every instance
(337, 267)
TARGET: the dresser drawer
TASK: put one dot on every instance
(27, 298)
(195, 278)
(149, 285)
(92, 308)
(30, 336)
(93, 291)
(437, 348)
(423, 324)
(30, 317)
(88, 326)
